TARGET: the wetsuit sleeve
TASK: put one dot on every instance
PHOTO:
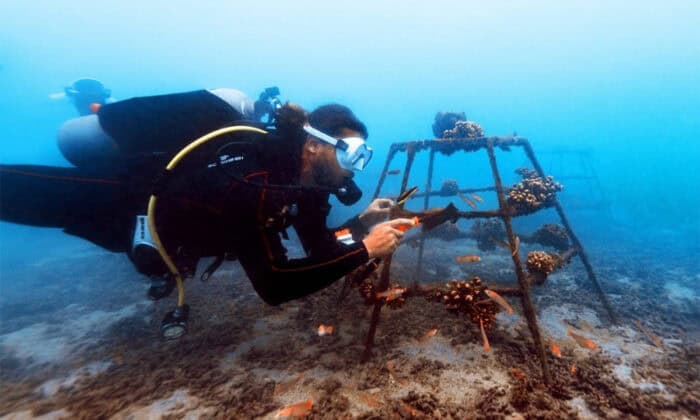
(278, 279)
(312, 229)
(357, 229)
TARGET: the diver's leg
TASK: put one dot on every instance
(84, 143)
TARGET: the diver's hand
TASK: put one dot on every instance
(376, 212)
(384, 238)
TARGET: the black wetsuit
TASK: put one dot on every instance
(206, 211)
(203, 209)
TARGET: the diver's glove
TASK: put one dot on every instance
(376, 212)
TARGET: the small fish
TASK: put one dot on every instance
(573, 369)
(299, 409)
(499, 300)
(391, 294)
(554, 348)
(518, 374)
(500, 243)
(487, 346)
(391, 367)
(466, 199)
(407, 410)
(585, 326)
(427, 336)
(393, 172)
(583, 341)
(370, 400)
(283, 387)
(517, 245)
(651, 336)
(468, 258)
(57, 95)
(325, 330)
(477, 198)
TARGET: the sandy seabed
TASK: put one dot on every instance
(92, 349)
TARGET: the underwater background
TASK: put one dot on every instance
(618, 80)
(609, 90)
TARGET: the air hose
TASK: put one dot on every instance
(152, 202)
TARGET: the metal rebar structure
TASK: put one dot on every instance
(505, 212)
(575, 164)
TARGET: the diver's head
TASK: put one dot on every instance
(335, 147)
(85, 92)
(269, 104)
(332, 118)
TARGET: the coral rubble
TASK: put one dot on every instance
(541, 262)
(449, 188)
(467, 297)
(487, 232)
(464, 129)
(446, 121)
(552, 235)
(533, 192)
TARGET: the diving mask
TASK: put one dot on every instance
(352, 153)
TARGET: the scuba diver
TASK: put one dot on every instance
(106, 136)
(87, 95)
(170, 179)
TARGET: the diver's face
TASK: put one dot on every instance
(327, 170)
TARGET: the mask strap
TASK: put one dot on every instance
(325, 137)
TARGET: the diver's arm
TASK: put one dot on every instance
(278, 279)
(376, 212)
(357, 228)
(314, 234)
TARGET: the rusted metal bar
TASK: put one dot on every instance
(489, 213)
(426, 200)
(568, 254)
(423, 290)
(382, 176)
(507, 291)
(450, 146)
(347, 284)
(574, 239)
(528, 307)
(410, 157)
(461, 190)
(483, 214)
(386, 268)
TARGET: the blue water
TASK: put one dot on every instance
(604, 89)
(620, 82)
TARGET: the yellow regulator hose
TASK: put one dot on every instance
(152, 202)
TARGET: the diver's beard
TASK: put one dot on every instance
(324, 177)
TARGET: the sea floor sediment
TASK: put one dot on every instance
(95, 352)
